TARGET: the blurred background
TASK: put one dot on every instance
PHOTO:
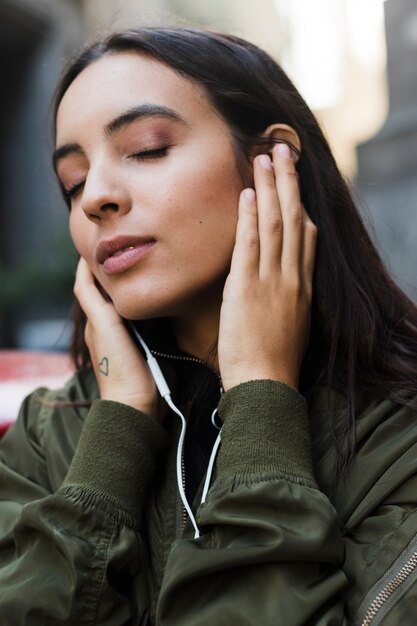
(354, 61)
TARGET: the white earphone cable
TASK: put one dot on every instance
(165, 392)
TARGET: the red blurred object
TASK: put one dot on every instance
(21, 372)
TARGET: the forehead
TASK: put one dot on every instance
(120, 81)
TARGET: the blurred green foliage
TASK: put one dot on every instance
(45, 279)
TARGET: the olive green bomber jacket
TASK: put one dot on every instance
(91, 529)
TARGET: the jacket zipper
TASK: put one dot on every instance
(393, 585)
(192, 359)
(183, 511)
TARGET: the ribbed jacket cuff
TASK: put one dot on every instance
(116, 455)
(265, 429)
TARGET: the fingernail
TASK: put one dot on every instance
(265, 162)
(284, 151)
(249, 194)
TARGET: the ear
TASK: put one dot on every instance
(282, 133)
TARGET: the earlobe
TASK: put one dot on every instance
(282, 133)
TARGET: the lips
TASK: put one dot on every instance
(121, 253)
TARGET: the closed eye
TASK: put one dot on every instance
(72, 191)
(153, 153)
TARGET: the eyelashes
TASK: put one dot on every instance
(144, 155)
(153, 153)
(72, 191)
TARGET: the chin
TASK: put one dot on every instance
(129, 309)
(133, 313)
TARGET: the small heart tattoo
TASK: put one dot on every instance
(103, 366)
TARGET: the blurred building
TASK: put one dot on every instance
(333, 49)
(387, 174)
(35, 38)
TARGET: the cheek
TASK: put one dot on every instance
(78, 233)
(212, 189)
(218, 212)
(73, 227)
(209, 210)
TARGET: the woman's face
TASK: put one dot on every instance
(153, 184)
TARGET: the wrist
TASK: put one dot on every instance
(135, 401)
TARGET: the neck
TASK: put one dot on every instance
(198, 334)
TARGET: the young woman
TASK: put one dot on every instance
(198, 182)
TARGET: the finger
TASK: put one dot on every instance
(309, 250)
(245, 258)
(269, 215)
(89, 341)
(291, 208)
(86, 292)
(87, 335)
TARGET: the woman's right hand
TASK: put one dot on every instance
(121, 371)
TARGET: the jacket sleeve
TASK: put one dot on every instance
(69, 556)
(271, 551)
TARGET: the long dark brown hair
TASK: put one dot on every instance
(363, 328)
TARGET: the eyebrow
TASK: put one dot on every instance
(120, 122)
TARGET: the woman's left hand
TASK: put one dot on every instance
(265, 315)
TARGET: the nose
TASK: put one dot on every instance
(104, 194)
